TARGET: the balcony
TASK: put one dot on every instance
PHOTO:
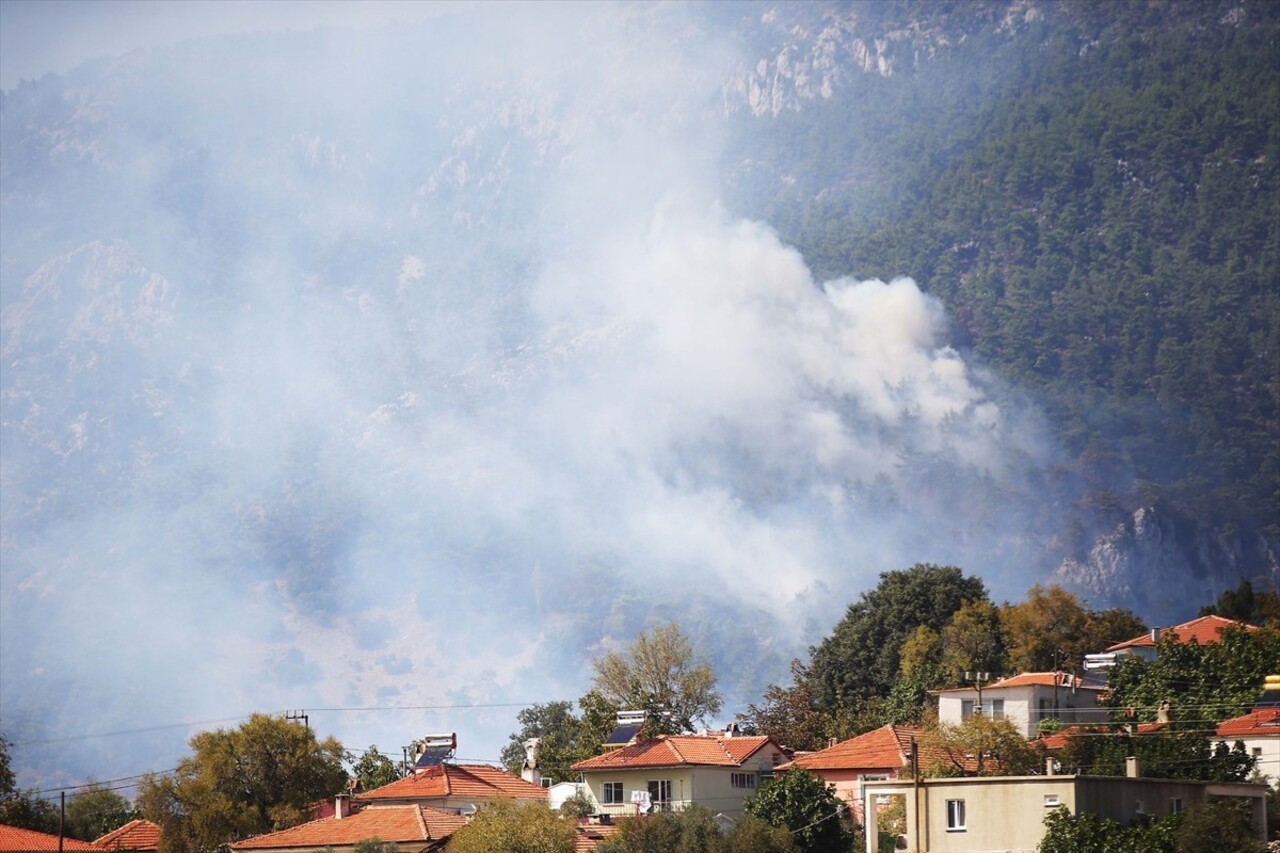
(630, 809)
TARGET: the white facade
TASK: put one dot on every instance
(1025, 704)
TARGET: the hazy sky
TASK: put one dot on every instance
(42, 36)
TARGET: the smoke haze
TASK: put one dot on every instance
(394, 374)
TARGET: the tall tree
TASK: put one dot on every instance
(239, 782)
(558, 732)
(792, 716)
(658, 672)
(96, 810)
(806, 806)
(859, 660)
(24, 809)
(373, 769)
(972, 640)
(979, 746)
(1051, 629)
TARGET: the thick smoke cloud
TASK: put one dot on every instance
(351, 392)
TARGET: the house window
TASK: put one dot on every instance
(955, 815)
(744, 780)
(1139, 807)
(1257, 752)
(966, 708)
(1175, 805)
(612, 793)
(660, 790)
(1046, 709)
(997, 709)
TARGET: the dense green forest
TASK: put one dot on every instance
(1096, 203)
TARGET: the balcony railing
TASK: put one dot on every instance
(629, 809)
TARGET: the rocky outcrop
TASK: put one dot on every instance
(1166, 567)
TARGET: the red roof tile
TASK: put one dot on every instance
(407, 823)
(475, 781)
(14, 839)
(887, 746)
(1205, 630)
(591, 836)
(680, 750)
(1033, 679)
(134, 835)
(1059, 739)
(1262, 722)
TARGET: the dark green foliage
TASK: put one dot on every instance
(1093, 196)
(94, 811)
(373, 770)
(1245, 605)
(1204, 684)
(557, 729)
(1088, 833)
(24, 809)
(858, 662)
(1173, 754)
(694, 830)
(806, 806)
(1220, 824)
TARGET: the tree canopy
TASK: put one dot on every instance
(859, 661)
(806, 806)
(515, 828)
(240, 782)
(658, 672)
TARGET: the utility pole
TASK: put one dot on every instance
(978, 678)
(298, 715)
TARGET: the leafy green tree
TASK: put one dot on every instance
(995, 747)
(96, 810)
(240, 782)
(1203, 684)
(23, 809)
(792, 716)
(1172, 754)
(373, 769)
(859, 661)
(1219, 824)
(972, 639)
(558, 732)
(807, 807)
(658, 673)
(1051, 629)
(1244, 604)
(515, 828)
(750, 834)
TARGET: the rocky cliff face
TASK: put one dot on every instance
(1166, 567)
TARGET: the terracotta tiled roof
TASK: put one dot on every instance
(1205, 630)
(134, 835)
(1034, 679)
(474, 781)
(680, 750)
(1059, 739)
(885, 747)
(400, 824)
(1262, 722)
(591, 836)
(17, 840)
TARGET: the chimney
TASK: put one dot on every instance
(1155, 635)
(341, 806)
(1050, 767)
(1131, 766)
(1163, 714)
(530, 772)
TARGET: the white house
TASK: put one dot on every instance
(1025, 700)
(718, 771)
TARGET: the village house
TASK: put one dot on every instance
(1025, 700)
(878, 755)
(411, 828)
(1204, 630)
(719, 771)
(142, 836)
(987, 814)
(14, 839)
(1259, 731)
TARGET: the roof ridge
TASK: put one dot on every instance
(422, 821)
